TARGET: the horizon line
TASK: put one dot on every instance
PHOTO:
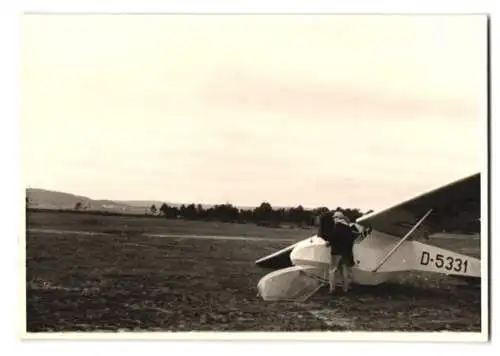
(188, 203)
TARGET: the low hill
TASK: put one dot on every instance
(49, 199)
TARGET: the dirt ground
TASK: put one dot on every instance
(125, 281)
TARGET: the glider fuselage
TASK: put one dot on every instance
(369, 253)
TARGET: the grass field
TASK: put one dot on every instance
(127, 281)
(133, 225)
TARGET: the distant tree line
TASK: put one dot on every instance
(264, 214)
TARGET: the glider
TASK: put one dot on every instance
(386, 245)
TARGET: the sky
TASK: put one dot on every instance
(320, 110)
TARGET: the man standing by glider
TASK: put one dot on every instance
(335, 229)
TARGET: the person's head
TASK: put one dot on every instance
(339, 216)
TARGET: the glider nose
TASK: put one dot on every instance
(311, 252)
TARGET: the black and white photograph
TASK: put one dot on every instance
(234, 174)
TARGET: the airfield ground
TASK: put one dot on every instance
(101, 273)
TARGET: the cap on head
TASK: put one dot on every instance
(338, 215)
